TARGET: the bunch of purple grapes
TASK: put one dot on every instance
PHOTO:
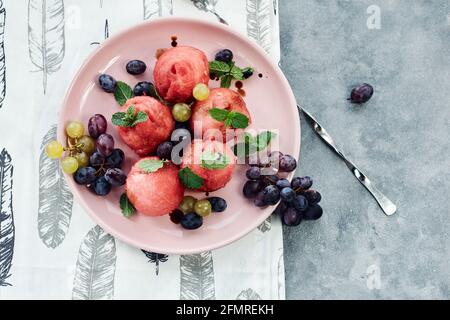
(296, 200)
(104, 170)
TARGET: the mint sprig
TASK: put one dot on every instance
(151, 165)
(237, 73)
(214, 160)
(129, 119)
(252, 144)
(227, 72)
(219, 68)
(225, 81)
(123, 92)
(126, 206)
(232, 119)
(189, 179)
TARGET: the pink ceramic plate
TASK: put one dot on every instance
(270, 101)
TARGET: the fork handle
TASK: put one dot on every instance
(388, 207)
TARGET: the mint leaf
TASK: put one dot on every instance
(219, 114)
(123, 93)
(237, 73)
(263, 139)
(150, 165)
(130, 118)
(225, 81)
(228, 71)
(141, 116)
(238, 120)
(126, 206)
(243, 149)
(227, 122)
(214, 160)
(131, 111)
(252, 145)
(219, 67)
(189, 179)
(120, 119)
(249, 139)
(230, 119)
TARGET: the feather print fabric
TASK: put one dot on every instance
(157, 8)
(7, 230)
(197, 277)
(46, 37)
(2, 54)
(96, 266)
(55, 198)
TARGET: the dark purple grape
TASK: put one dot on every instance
(275, 157)
(301, 183)
(280, 209)
(176, 216)
(107, 83)
(300, 203)
(287, 194)
(291, 217)
(218, 204)
(251, 189)
(145, 88)
(283, 183)
(97, 125)
(273, 179)
(85, 175)
(312, 196)
(115, 160)
(269, 180)
(287, 163)
(361, 93)
(260, 200)
(224, 55)
(164, 150)
(192, 221)
(136, 67)
(105, 144)
(248, 72)
(116, 177)
(253, 173)
(314, 212)
(271, 195)
(182, 125)
(96, 159)
(100, 187)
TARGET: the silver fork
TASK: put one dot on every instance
(206, 6)
(388, 207)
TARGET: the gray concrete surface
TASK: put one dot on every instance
(401, 139)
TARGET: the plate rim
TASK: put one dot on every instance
(161, 20)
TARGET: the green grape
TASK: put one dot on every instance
(87, 144)
(181, 112)
(203, 208)
(54, 150)
(187, 204)
(82, 159)
(201, 92)
(75, 129)
(69, 165)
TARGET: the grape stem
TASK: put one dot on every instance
(101, 170)
(73, 147)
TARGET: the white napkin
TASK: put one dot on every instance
(49, 247)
